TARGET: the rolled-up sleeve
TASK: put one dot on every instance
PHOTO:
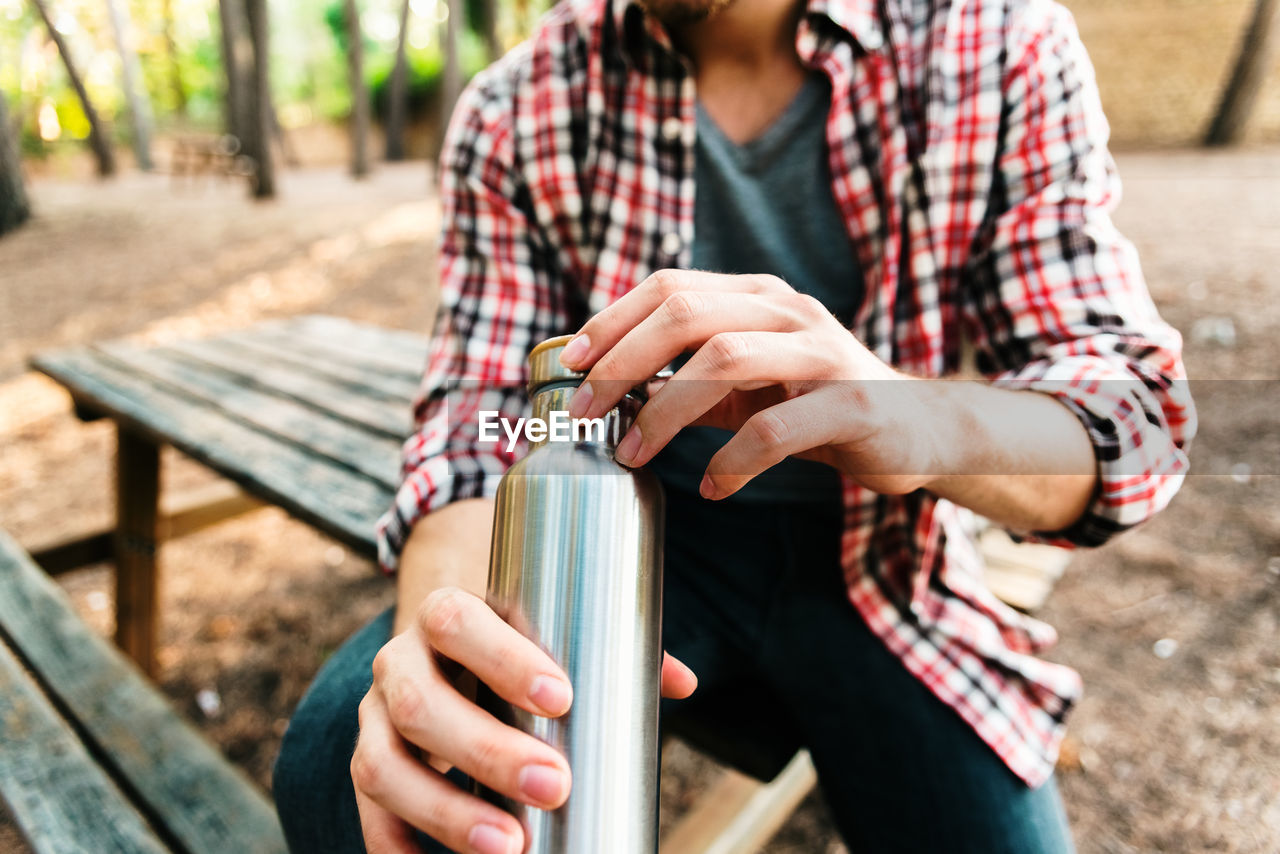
(499, 296)
(1056, 300)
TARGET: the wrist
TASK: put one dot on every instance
(952, 434)
(448, 547)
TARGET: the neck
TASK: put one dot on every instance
(745, 63)
(751, 35)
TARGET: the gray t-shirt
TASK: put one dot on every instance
(766, 207)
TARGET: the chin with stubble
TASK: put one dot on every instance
(675, 13)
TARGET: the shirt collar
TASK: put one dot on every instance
(858, 18)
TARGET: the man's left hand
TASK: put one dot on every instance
(769, 363)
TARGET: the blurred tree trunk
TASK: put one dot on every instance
(1252, 64)
(488, 26)
(237, 59)
(397, 91)
(134, 92)
(451, 78)
(359, 92)
(15, 209)
(98, 138)
(171, 53)
(261, 113)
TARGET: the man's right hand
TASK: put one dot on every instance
(416, 723)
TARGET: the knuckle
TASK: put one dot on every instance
(485, 755)
(769, 430)
(727, 351)
(666, 282)
(405, 705)
(443, 614)
(810, 306)
(606, 366)
(439, 821)
(508, 664)
(684, 308)
(366, 774)
(382, 664)
(769, 283)
(854, 397)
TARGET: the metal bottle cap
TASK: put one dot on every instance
(545, 367)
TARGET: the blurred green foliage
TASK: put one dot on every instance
(308, 61)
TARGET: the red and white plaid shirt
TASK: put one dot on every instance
(968, 157)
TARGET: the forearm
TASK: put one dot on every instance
(1020, 458)
(447, 548)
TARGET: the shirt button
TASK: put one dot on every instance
(672, 128)
(872, 40)
(671, 243)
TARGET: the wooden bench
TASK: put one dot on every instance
(92, 758)
(215, 156)
(306, 414)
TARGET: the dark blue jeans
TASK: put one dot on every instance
(755, 604)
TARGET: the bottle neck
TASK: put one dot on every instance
(551, 406)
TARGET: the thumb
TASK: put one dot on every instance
(678, 681)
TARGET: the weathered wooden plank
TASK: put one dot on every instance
(1020, 574)
(405, 346)
(375, 457)
(174, 776)
(740, 814)
(86, 414)
(373, 361)
(321, 362)
(134, 544)
(198, 509)
(313, 488)
(76, 553)
(58, 796)
(184, 514)
(357, 404)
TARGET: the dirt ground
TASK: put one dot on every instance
(1176, 752)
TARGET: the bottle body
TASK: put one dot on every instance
(576, 565)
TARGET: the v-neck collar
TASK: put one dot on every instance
(756, 153)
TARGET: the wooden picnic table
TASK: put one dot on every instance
(306, 414)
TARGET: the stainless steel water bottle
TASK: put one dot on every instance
(576, 565)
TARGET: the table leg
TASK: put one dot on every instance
(137, 496)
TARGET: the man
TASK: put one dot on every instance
(878, 186)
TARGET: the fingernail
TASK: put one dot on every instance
(542, 783)
(628, 447)
(707, 489)
(575, 351)
(581, 401)
(487, 839)
(551, 695)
